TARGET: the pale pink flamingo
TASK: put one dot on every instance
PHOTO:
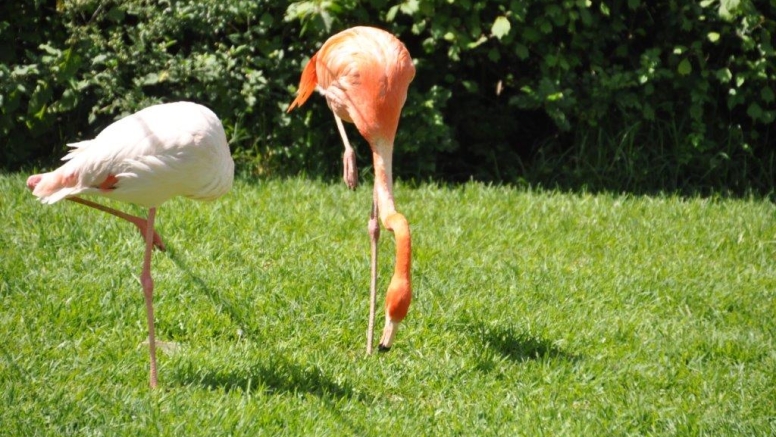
(364, 74)
(163, 151)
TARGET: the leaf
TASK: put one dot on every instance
(724, 75)
(42, 113)
(470, 86)
(767, 94)
(116, 14)
(521, 51)
(38, 100)
(410, 7)
(391, 13)
(696, 111)
(648, 111)
(475, 44)
(501, 27)
(327, 20)
(685, 67)
(728, 9)
(50, 50)
(150, 79)
(713, 36)
(555, 96)
(754, 110)
(68, 100)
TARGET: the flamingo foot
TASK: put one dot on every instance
(350, 171)
(142, 226)
(158, 243)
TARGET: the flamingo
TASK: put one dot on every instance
(163, 151)
(364, 73)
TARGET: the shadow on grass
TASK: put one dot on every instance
(240, 318)
(516, 346)
(277, 376)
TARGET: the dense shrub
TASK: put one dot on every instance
(664, 94)
(651, 94)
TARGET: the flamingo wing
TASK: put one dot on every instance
(147, 158)
(364, 74)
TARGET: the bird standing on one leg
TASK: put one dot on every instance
(163, 151)
(364, 74)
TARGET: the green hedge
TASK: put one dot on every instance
(615, 94)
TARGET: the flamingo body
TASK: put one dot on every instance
(364, 74)
(174, 149)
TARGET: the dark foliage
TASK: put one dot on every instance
(626, 95)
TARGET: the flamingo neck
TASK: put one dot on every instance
(399, 294)
(382, 157)
(398, 224)
(400, 288)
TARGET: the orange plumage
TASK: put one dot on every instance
(306, 85)
(364, 73)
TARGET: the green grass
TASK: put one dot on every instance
(535, 313)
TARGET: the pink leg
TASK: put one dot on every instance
(349, 170)
(148, 291)
(374, 235)
(137, 221)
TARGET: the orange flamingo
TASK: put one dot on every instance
(146, 158)
(364, 74)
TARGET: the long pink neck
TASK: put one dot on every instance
(398, 224)
(399, 292)
(382, 156)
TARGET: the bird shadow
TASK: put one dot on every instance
(515, 346)
(276, 376)
(239, 317)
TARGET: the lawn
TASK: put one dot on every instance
(536, 312)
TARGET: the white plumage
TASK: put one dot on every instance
(174, 149)
(163, 151)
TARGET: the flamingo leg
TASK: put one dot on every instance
(349, 170)
(135, 220)
(148, 291)
(152, 240)
(374, 235)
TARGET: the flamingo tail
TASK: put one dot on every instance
(306, 84)
(54, 186)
